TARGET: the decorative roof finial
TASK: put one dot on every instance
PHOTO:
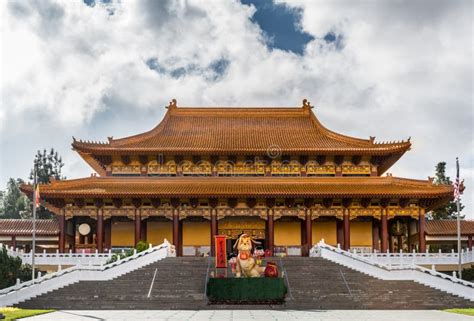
(110, 138)
(372, 139)
(306, 104)
(172, 104)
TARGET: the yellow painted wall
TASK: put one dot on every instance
(287, 233)
(325, 230)
(361, 233)
(123, 234)
(156, 232)
(197, 233)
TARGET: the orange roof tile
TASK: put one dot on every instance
(243, 187)
(241, 131)
(449, 227)
(25, 227)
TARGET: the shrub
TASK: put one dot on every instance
(11, 268)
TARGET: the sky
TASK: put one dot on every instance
(92, 69)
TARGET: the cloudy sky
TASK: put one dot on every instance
(93, 69)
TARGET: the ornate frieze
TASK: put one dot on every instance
(312, 168)
(354, 212)
(202, 212)
(126, 169)
(319, 210)
(356, 169)
(295, 212)
(223, 212)
(407, 211)
(84, 211)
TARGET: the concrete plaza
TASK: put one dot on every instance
(223, 315)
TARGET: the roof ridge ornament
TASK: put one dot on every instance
(307, 104)
(173, 104)
(372, 139)
(110, 138)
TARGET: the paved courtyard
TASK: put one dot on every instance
(223, 315)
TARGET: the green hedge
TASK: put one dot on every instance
(244, 290)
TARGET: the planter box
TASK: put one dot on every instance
(246, 290)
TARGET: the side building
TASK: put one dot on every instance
(275, 173)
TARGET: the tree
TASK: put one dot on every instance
(48, 165)
(11, 268)
(449, 210)
(15, 203)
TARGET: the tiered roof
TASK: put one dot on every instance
(244, 131)
(20, 227)
(265, 187)
(449, 227)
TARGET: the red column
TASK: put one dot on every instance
(340, 233)
(469, 242)
(14, 242)
(100, 231)
(143, 224)
(347, 235)
(421, 231)
(309, 231)
(138, 223)
(176, 232)
(213, 231)
(375, 235)
(62, 232)
(73, 221)
(384, 227)
(270, 230)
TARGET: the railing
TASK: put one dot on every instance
(467, 257)
(429, 277)
(49, 282)
(56, 258)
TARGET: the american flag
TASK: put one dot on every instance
(457, 184)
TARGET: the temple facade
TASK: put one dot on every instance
(275, 173)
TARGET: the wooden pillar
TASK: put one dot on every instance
(469, 242)
(270, 230)
(340, 233)
(14, 242)
(421, 231)
(62, 232)
(384, 228)
(100, 231)
(176, 231)
(143, 225)
(138, 222)
(375, 235)
(73, 247)
(213, 231)
(347, 232)
(108, 234)
(309, 231)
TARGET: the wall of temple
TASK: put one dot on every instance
(196, 233)
(158, 231)
(326, 230)
(361, 234)
(287, 233)
(123, 234)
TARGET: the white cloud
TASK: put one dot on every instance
(68, 69)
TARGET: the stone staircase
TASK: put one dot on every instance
(315, 283)
(179, 284)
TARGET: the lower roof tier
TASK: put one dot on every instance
(234, 187)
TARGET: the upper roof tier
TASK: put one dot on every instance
(207, 131)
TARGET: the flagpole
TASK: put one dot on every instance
(458, 220)
(34, 226)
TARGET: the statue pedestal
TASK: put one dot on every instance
(246, 290)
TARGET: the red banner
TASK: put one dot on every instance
(221, 251)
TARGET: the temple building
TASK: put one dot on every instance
(275, 173)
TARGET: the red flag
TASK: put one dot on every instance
(37, 196)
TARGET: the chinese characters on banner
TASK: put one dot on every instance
(221, 251)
